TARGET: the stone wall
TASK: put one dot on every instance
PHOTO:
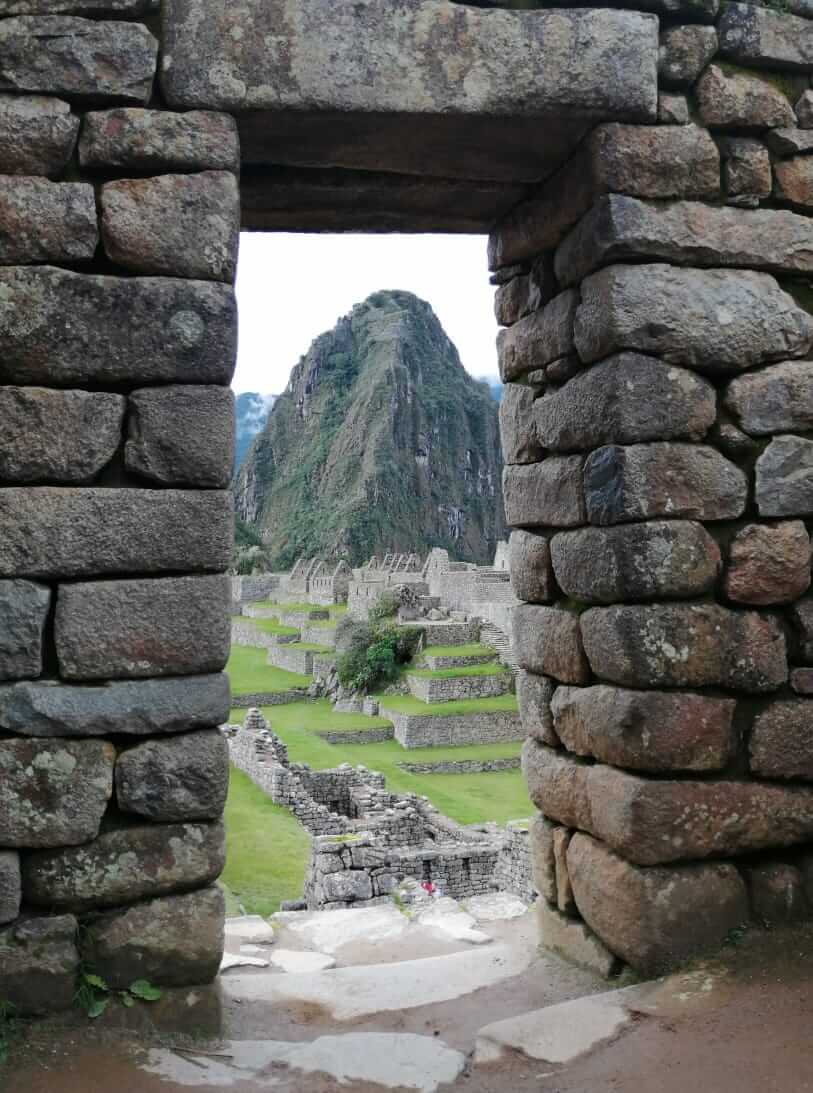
(117, 345)
(251, 589)
(268, 698)
(461, 766)
(656, 428)
(452, 730)
(457, 688)
(513, 872)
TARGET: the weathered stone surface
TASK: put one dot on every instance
(785, 477)
(130, 707)
(734, 443)
(547, 641)
(564, 891)
(539, 338)
(534, 694)
(154, 941)
(517, 425)
(51, 532)
(658, 559)
(340, 59)
(347, 887)
(182, 435)
(672, 109)
(774, 399)
(518, 296)
(53, 792)
(10, 886)
(741, 101)
(23, 609)
(60, 328)
(123, 8)
(801, 681)
(95, 61)
(625, 399)
(769, 564)
(781, 744)
(125, 864)
(777, 893)
(712, 320)
(654, 918)
(758, 37)
(182, 778)
(573, 940)
(37, 135)
(802, 616)
(57, 436)
(747, 177)
(158, 141)
(46, 221)
(139, 628)
(549, 492)
(543, 865)
(793, 181)
(788, 142)
(531, 572)
(651, 821)
(685, 233)
(39, 962)
(647, 480)
(804, 110)
(685, 645)
(684, 53)
(645, 730)
(180, 225)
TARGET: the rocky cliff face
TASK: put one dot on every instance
(381, 441)
(251, 411)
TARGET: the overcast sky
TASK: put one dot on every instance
(291, 288)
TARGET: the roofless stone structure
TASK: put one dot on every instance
(647, 180)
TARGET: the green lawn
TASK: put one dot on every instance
(271, 626)
(307, 647)
(454, 673)
(411, 705)
(250, 672)
(459, 651)
(266, 849)
(336, 610)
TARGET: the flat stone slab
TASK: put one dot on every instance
(328, 931)
(448, 916)
(496, 908)
(239, 960)
(251, 928)
(293, 960)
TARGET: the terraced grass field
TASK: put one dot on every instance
(250, 673)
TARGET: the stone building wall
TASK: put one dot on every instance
(656, 425)
(118, 330)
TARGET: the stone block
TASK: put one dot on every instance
(757, 37)
(549, 492)
(654, 560)
(539, 338)
(741, 101)
(182, 435)
(543, 863)
(777, 893)
(781, 744)
(734, 443)
(571, 939)
(564, 891)
(747, 177)
(793, 181)
(649, 480)
(138, 628)
(93, 61)
(122, 330)
(520, 295)
(123, 8)
(37, 135)
(789, 142)
(124, 865)
(624, 399)
(534, 695)
(347, 887)
(157, 142)
(768, 564)
(10, 886)
(620, 228)
(57, 436)
(801, 681)
(802, 617)
(39, 962)
(804, 110)
(517, 425)
(784, 477)
(531, 571)
(645, 730)
(53, 792)
(653, 821)
(128, 708)
(655, 919)
(685, 645)
(23, 609)
(154, 941)
(684, 52)
(547, 641)
(51, 532)
(672, 109)
(773, 400)
(675, 314)
(46, 221)
(179, 225)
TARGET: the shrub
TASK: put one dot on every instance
(385, 607)
(371, 656)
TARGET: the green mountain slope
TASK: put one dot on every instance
(382, 441)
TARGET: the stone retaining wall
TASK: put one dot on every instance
(452, 688)
(453, 730)
(513, 872)
(461, 766)
(245, 633)
(363, 736)
(268, 698)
